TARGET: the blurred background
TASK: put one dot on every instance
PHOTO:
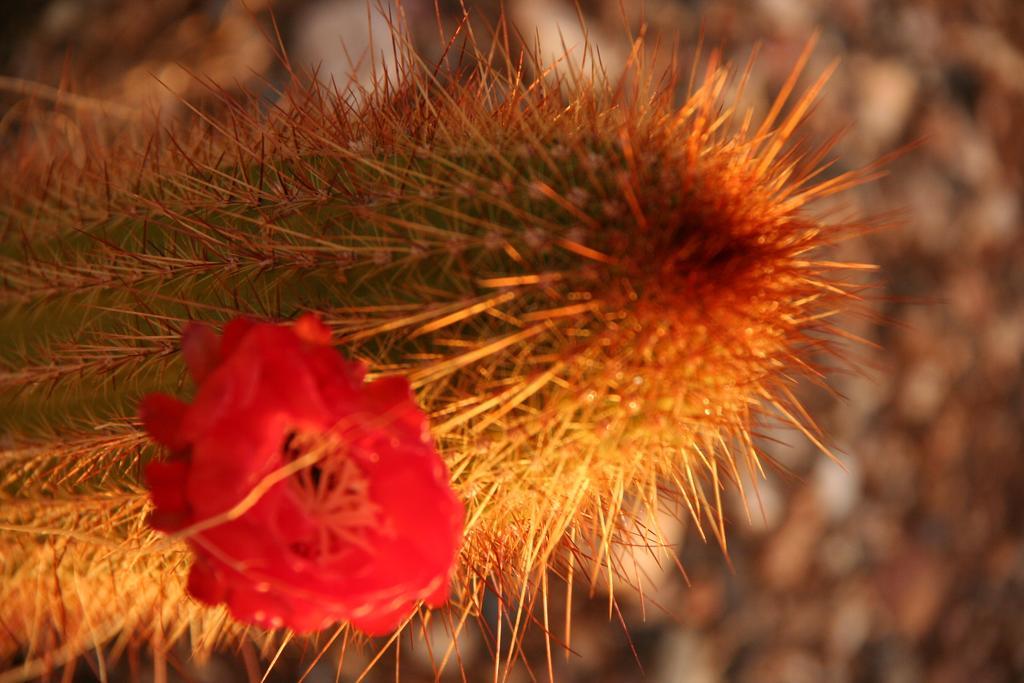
(909, 565)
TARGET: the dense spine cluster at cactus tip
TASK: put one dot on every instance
(598, 290)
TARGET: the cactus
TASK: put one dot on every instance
(598, 294)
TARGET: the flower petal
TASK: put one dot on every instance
(234, 332)
(203, 583)
(200, 346)
(382, 621)
(390, 401)
(162, 417)
(310, 329)
(166, 483)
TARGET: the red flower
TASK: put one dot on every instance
(307, 495)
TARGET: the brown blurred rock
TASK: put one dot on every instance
(887, 90)
(789, 552)
(913, 585)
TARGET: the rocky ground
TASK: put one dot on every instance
(908, 566)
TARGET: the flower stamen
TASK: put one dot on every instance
(334, 494)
